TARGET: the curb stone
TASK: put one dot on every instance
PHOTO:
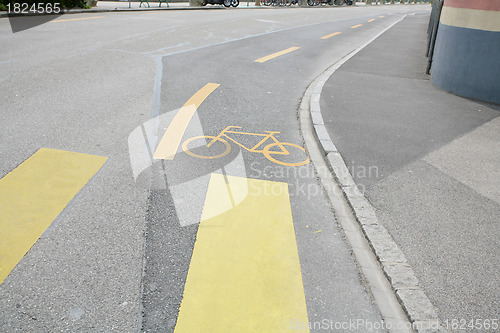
(400, 275)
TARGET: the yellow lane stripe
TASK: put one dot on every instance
(277, 54)
(167, 148)
(245, 273)
(33, 194)
(371, 20)
(356, 26)
(331, 35)
(381, 16)
(78, 19)
(471, 18)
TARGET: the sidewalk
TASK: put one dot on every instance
(124, 5)
(428, 162)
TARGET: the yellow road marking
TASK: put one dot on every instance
(371, 20)
(167, 148)
(356, 26)
(33, 194)
(78, 19)
(381, 16)
(331, 35)
(268, 146)
(277, 54)
(245, 273)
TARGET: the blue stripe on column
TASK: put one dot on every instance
(465, 62)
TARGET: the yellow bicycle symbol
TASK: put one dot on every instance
(267, 151)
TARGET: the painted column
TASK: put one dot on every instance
(466, 57)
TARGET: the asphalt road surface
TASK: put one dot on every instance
(127, 248)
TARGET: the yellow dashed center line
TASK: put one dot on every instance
(277, 54)
(356, 26)
(371, 20)
(78, 19)
(381, 16)
(331, 35)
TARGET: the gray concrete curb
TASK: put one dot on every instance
(403, 281)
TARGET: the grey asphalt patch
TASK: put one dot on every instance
(389, 130)
(335, 293)
(168, 250)
(389, 63)
(387, 138)
(473, 159)
(449, 234)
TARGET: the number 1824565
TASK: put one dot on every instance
(39, 8)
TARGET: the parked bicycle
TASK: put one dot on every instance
(329, 2)
(279, 2)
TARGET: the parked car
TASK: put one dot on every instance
(226, 3)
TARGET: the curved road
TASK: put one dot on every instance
(127, 249)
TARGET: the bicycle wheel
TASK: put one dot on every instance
(208, 152)
(268, 154)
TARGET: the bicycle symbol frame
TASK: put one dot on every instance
(266, 151)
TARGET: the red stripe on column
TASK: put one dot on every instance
(493, 5)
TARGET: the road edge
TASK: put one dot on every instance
(385, 267)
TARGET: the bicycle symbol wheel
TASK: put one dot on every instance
(269, 154)
(208, 151)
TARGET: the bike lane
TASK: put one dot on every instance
(258, 96)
